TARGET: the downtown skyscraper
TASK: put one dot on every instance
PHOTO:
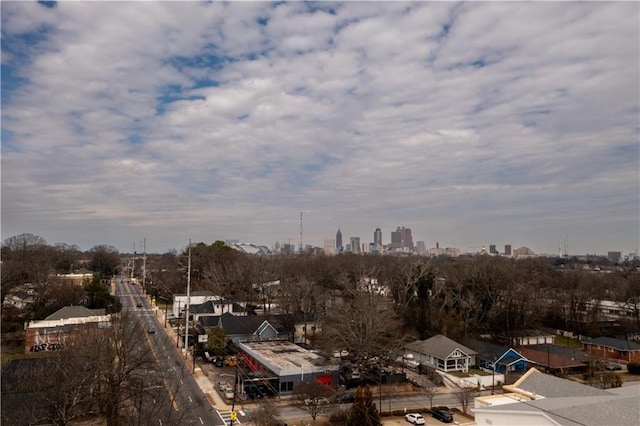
(377, 237)
(338, 240)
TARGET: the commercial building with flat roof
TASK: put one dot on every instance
(281, 365)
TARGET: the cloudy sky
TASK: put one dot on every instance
(472, 124)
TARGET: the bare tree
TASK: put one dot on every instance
(265, 415)
(365, 325)
(120, 364)
(104, 260)
(465, 396)
(430, 392)
(314, 398)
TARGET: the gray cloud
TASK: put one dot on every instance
(470, 123)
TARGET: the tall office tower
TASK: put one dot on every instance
(492, 249)
(338, 240)
(507, 249)
(355, 244)
(421, 247)
(377, 237)
(407, 239)
(396, 238)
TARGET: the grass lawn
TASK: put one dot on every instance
(568, 342)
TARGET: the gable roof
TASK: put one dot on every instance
(549, 359)
(487, 351)
(236, 325)
(203, 308)
(511, 356)
(548, 386)
(208, 321)
(75, 312)
(439, 346)
(571, 353)
(610, 342)
(569, 403)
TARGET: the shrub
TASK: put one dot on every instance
(633, 368)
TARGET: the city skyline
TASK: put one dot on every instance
(471, 123)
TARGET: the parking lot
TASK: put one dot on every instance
(457, 420)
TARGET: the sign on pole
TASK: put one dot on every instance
(203, 338)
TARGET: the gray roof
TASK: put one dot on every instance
(571, 353)
(439, 346)
(196, 293)
(487, 351)
(75, 312)
(609, 408)
(554, 387)
(623, 345)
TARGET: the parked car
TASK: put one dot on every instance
(612, 366)
(415, 418)
(346, 397)
(139, 305)
(151, 330)
(317, 401)
(228, 393)
(222, 384)
(230, 361)
(219, 362)
(442, 414)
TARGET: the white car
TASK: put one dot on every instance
(414, 418)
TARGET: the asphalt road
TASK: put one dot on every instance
(179, 399)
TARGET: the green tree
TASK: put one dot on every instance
(217, 340)
(364, 411)
(98, 294)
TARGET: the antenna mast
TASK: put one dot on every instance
(300, 249)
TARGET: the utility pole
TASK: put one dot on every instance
(186, 318)
(144, 264)
(133, 261)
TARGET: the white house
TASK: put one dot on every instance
(196, 298)
(442, 353)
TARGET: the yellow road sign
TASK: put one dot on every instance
(234, 416)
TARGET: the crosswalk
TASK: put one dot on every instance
(225, 415)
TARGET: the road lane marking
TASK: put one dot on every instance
(201, 422)
(164, 380)
(190, 400)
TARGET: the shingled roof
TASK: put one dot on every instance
(75, 312)
(439, 346)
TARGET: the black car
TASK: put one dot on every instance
(346, 397)
(139, 305)
(442, 414)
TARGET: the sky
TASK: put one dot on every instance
(470, 123)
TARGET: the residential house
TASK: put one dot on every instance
(488, 355)
(216, 308)
(542, 399)
(553, 361)
(195, 298)
(239, 328)
(608, 347)
(19, 299)
(442, 353)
